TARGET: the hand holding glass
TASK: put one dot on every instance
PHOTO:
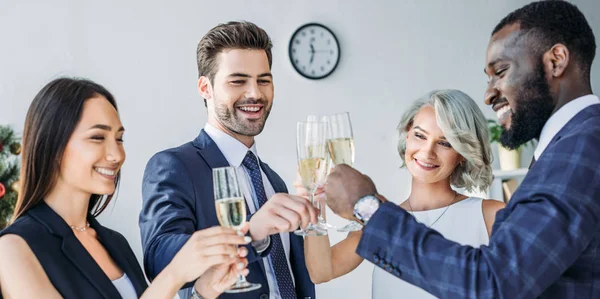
(312, 165)
(341, 150)
(231, 212)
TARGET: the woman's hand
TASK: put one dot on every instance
(207, 248)
(219, 278)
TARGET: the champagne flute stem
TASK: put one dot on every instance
(241, 278)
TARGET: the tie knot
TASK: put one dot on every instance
(250, 161)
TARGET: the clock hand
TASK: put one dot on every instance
(312, 56)
(312, 48)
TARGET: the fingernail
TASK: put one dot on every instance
(231, 255)
(247, 239)
(242, 252)
(240, 233)
(240, 266)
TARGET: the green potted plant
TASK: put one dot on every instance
(509, 159)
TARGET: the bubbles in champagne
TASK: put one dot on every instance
(231, 212)
(313, 171)
(341, 150)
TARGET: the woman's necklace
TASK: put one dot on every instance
(81, 229)
(454, 199)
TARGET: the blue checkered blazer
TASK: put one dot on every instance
(545, 243)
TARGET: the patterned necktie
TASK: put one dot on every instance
(282, 273)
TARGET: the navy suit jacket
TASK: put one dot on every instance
(545, 243)
(70, 268)
(178, 199)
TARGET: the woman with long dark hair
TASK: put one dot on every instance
(72, 156)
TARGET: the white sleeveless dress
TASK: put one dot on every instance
(462, 223)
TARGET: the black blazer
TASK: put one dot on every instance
(71, 269)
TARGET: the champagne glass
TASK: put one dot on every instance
(231, 212)
(340, 144)
(312, 164)
(321, 206)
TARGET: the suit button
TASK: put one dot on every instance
(375, 259)
(388, 268)
(264, 296)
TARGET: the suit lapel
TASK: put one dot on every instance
(119, 254)
(297, 261)
(209, 151)
(213, 156)
(274, 179)
(74, 251)
(591, 111)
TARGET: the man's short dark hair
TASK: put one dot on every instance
(554, 21)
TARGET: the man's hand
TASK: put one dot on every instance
(281, 213)
(345, 186)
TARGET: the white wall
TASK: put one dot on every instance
(144, 52)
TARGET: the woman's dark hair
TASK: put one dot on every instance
(51, 120)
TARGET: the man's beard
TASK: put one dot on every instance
(534, 107)
(229, 118)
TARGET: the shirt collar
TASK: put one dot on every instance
(560, 118)
(233, 150)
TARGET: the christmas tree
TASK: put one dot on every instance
(10, 148)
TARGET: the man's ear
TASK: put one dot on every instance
(556, 60)
(205, 88)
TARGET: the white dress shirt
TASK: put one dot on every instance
(560, 118)
(235, 151)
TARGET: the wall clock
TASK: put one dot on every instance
(314, 51)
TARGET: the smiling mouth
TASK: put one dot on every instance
(251, 110)
(503, 112)
(106, 172)
(426, 166)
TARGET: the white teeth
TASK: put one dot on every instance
(426, 164)
(250, 109)
(502, 111)
(105, 171)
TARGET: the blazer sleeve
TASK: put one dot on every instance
(167, 219)
(551, 220)
(169, 209)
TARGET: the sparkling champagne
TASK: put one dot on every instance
(341, 150)
(313, 171)
(231, 212)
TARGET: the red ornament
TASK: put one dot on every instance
(2, 190)
(1, 147)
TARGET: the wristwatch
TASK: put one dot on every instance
(365, 207)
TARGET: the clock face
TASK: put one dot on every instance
(314, 51)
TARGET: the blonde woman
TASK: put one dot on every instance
(444, 143)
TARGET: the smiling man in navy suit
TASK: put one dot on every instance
(235, 80)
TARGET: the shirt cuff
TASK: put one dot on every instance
(261, 245)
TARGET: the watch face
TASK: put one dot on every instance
(314, 51)
(366, 207)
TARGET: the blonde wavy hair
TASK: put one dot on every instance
(465, 127)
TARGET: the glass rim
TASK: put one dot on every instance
(223, 167)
